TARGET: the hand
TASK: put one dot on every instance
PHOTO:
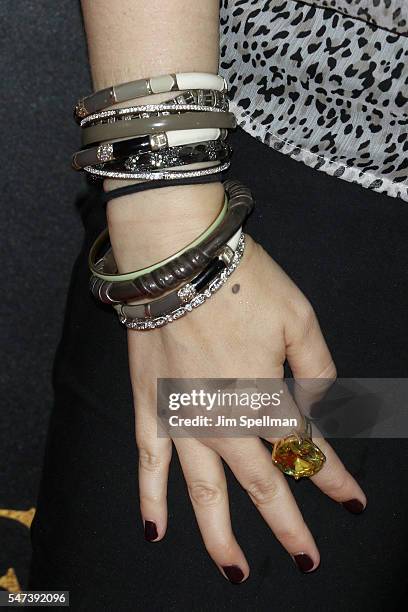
(246, 330)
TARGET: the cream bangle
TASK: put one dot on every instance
(147, 87)
(137, 273)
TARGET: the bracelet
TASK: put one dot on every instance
(201, 98)
(168, 276)
(153, 125)
(110, 151)
(183, 155)
(159, 175)
(181, 296)
(120, 192)
(107, 262)
(143, 324)
(146, 87)
(147, 110)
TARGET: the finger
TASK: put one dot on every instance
(154, 461)
(251, 463)
(306, 348)
(207, 486)
(314, 369)
(336, 482)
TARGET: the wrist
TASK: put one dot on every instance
(151, 225)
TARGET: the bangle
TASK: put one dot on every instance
(184, 155)
(110, 151)
(143, 324)
(177, 269)
(140, 112)
(194, 100)
(146, 87)
(136, 147)
(153, 125)
(159, 175)
(180, 296)
(130, 276)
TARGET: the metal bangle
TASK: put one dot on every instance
(157, 282)
(154, 125)
(159, 175)
(144, 324)
(119, 149)
(146, 87)
(132, 159)
(179, 156)
(204, 98)
(147, 110)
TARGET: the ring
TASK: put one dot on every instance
(297, 455)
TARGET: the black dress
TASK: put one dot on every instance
(346, 248)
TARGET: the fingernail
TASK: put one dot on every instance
(355, 506)
(233, 573)
(150, 531)
(304, 562)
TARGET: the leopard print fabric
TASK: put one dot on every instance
(389, 14)
(328, 88)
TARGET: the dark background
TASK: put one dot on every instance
(44, 69)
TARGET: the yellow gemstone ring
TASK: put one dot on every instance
(297, 456)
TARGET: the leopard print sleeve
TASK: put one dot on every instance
(324, 81)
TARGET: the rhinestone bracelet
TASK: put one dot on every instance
(157, 176)
(216, 102)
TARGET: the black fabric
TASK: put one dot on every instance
(345, 247)
(43, 69)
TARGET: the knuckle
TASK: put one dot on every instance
(336, 481)
(263, 491)
(329, 373)
(205, 493)
(149, 461)
(221, 549)
(303, 312)
(149, 499)
(289, 536)
(326, 377)
(307, 315)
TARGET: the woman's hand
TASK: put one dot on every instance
(248, 329)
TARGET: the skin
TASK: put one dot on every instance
(248, 329)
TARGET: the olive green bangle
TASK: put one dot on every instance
(154, 125)
(128, 276)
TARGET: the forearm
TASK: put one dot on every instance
(132, 39)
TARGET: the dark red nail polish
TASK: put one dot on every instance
(354, 506)
(150, 531)
(233, 573)
(304, 562)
